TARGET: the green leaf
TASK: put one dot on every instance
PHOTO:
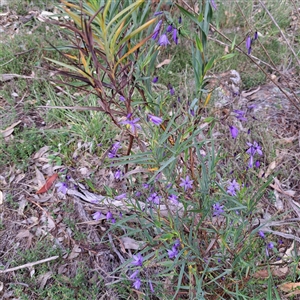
(190, 16)
(227, 56)
(164, 165)
(138, 30)
(208, 119)
(233, 43)
(199, 44)
(209, 65)
(133, 6)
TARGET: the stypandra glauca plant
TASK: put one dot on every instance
(197, 235)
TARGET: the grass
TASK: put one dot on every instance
(219, 255)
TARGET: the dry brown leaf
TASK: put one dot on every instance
(19, 177)
(278, 202)
(294, 293)
(40, 177)
(41, 152)
(7, 77)
(32, 271)
(261, 274)
(280, 272)
(289, 286)
(75, 252)
(49, 182)
(165, 62)
(47, 15)
(130, 243)
(22, 205)
(50, 224)
(25, 234)
(9, 130)
(43, 278)
(271, 167)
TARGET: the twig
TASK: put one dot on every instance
(29, 265)
(294, 102)
(259, 60)
(281, 32)
(115, 249)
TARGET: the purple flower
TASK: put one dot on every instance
(122, 98)
(97, 215)
(254, 148)
(175, 37)
(250, 163)
(138, 194)
(174, 199)
(213, 4)
(257, 164)
(163, 40)
(145, 185)
(137, 284)
(270, 245)
(109, 216)
(252, 106)
(192, 112)
(154, 197)
(177, 243)
(158, 13)
(173, 252)
(249, 51)
(218, 209)
(62, 187)
(134, 274)
(186, 183)
(171, 89)
(261, 234)
(114, 149)
(118, 174)
(133, 124)
(121, 196)
(120, 215)
(179, 20)
(154, 119)
(113, 220)
(255, 35)
(151, 286)
(137, 260)
(156, 30)
(169, 28)
(248, 43)
(233, 187)
(155, 79)
(240, 115)
(233, 131)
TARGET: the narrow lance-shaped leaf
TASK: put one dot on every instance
(191, 16)
(132, 7)
(106, 9)
(73, 68)
(138, 30)
(132, 50)
(207, 99)
(114, 38)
